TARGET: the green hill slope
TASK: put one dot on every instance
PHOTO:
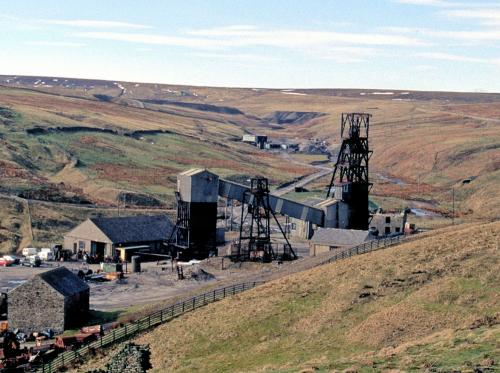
(428, 304)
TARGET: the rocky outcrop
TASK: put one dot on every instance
(292, 117)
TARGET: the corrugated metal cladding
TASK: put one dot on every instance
(198, 185)
(278, 204)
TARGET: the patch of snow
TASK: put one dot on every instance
(287, 90)
(38, 81)
(404, 93)
(294, 93)
(137, 85)
(362, 94)
(382, 93)
(55, 80)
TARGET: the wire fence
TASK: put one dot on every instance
(177, 309)
(366, 247)
(159, 317)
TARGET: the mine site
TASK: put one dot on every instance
(202, 198)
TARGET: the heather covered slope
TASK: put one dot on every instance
(428, 304)
(104, 142)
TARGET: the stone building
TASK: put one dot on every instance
(55, 299)
(107, 237)
(388, 223)
(329, 239)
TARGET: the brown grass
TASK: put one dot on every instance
(435, 287)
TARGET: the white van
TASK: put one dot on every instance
(46, 254)
(27, 251)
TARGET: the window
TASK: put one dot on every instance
(81, 245)
(387, 230)
(388, 220)
(398, 229)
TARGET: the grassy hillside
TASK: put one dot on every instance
(73, 150)
(101, 142)
(430, 304)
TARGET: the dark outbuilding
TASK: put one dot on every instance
(56, 299)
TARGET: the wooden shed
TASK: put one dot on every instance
(56, 299)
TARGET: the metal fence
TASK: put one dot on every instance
(164, 315)
(365, 247)
(144, 323)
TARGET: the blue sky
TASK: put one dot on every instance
(398, 44)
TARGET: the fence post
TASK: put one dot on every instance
(224, 289)
(172, 308)
(194, 302)
(183, 306)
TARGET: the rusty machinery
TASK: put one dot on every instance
(255, 242)
(352, 169)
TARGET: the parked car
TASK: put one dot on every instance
(31, 261)
(4, 262)
(27, 251)
(12, 258)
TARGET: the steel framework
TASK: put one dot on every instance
(258, 238)
(352, 166)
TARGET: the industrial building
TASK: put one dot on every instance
(196, 227)
(385, 224)
(123, 236)
(328, 239)
(256, 140)
(55, 299)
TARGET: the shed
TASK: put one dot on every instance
(100, 237)
(56, 299)
(328, 239)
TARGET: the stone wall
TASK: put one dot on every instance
(35, 306)
(132, 358)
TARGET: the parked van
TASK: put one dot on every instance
(46, 254)
(27, 251)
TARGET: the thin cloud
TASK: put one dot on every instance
(487, 16)
(246, 36)
(153, 39)
(423, 2)
(55, 44)
(87, 23)
(297, 38)
(454, 57)
(246, 57)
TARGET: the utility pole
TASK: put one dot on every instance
(453, 205)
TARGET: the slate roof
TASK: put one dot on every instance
(64, 281)
(135, 229)
(339, 237)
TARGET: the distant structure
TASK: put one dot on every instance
(122, 236)
(196, 226)
(55, 299)
(256, 140)
(351, 168)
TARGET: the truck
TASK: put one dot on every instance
(46, 254)
(27, 251)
